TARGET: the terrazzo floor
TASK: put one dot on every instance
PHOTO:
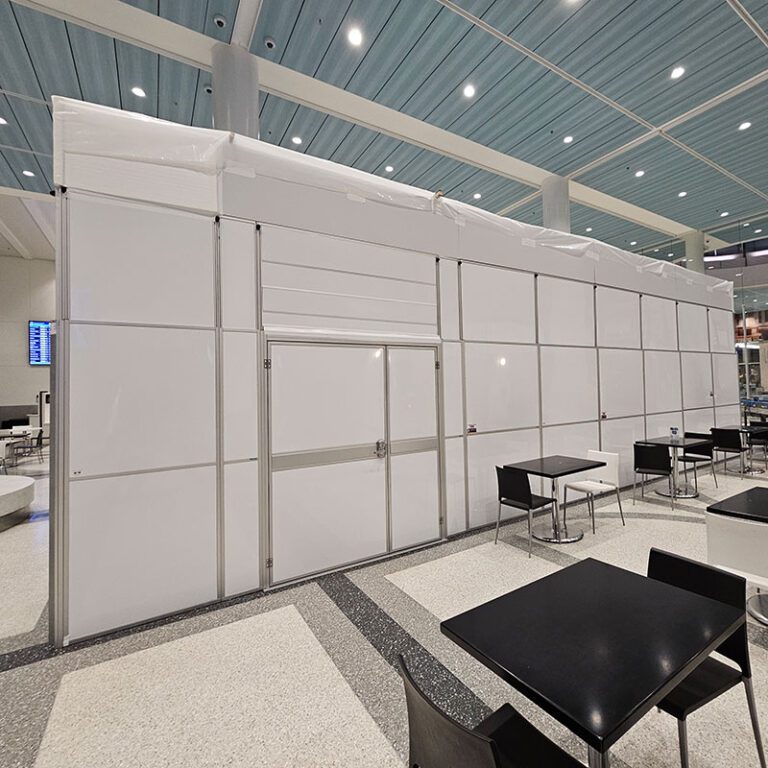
(305, 676)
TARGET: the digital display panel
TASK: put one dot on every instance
(39, 342)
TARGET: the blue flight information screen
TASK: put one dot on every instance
(39, 342)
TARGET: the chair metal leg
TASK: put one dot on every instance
(597, 759)
(682, 732)
(714, 476)
(634, 484)
(591, 498)
(755, 723)
(643, 478)
(695, 479)
(565, 503)
(530, 531)
(621, 511)
(498, 523)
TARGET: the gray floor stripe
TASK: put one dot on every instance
(390, 639)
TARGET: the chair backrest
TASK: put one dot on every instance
(701, 450)
(652, 457)
(707, 581)
(514, 485)
(39, 439)
(729, 439)
(436, 740)
(607, 474)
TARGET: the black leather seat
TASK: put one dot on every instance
(651, 460)
(701, 454)
(505, 739)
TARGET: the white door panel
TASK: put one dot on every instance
(619, 436)
(697, 379)
(553, 295)
(621, 382)
(412, 393)
(662, 382)
(721, 332)
(726, 379)
(659, 323)
(323, 517)
(618, 318)
(568, 384)
(455, 501)
(326, 396)
(693, 331)
(415, 499)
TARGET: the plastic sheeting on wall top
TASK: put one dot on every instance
(91, 134)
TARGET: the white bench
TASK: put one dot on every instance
(16, 492)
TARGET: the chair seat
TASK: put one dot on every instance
(536, 502)
(648, 471)
(590, 486)
(708, 681)
(743, 449)
(689, 457)
(520, 744)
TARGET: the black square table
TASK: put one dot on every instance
(676, 443)
(595, 646)
(555, 467)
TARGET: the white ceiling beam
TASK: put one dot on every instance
(146, 30)
(749, 20)
(245, 22)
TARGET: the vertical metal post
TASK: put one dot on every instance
(235, 90)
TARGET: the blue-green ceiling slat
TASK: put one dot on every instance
(16, 71)
(7, 177)
(96, 63)
(194, 14)
(202, 116)
(611, 229)
(24, 161)
(12, 133)
(177, 87)
(137, 67)
(529, 213)
(743, 230)
(35, 121)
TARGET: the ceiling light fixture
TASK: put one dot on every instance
(724, 214)
(746, 124)
(677, 73)
(719, 258)
(28, 173)
(140, 92)
(758, 231)
(655, 250)
(3, 121)
(588, 229)
(682, 194)
(567, 139)
(388, 168)
(355, 36)
(469, 90)
(477, 196)
(671, 255)
(296, 140)
(634, 242)
(638, 174)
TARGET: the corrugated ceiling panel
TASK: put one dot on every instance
(194, 14)
(19, 162)
(744, 230)
(96, 64)
(611, 229)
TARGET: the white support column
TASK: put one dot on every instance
(694, 250)
(557, 203)
(235, 90)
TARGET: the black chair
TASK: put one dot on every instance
(728, 441)
(759, 439)
(505, 739)
(515, 491)
(712, 677)
(701, 454)
(653, 460)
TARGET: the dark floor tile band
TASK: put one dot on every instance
(390, 639)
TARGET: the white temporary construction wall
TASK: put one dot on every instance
(270, 366)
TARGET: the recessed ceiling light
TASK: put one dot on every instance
(634, 242)
(355, 36)
(677, 73)
(388, 168)
(28, 173)
(724, 214)
(746, 124)
(638, 174)
(140, 92)
(477, 196)
(758, 231)
(296, 140)
(711, 267)
(469, 90)
(3, 121)
(671, 255)
(746, 223)
(588, 229)
(655, 250)
(682, 194)
(567, 139)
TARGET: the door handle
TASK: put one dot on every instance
(381, 449)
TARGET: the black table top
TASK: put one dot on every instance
(751, 505)
(677, 442)
(594, 645)
(556, 466)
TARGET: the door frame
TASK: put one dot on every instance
(433, 345)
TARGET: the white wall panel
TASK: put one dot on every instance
(659, 322)
(136, 263)
(570, 440)
(621, 382)
(618, 318)
(307, 379)
(237, 249)
(568, 385)
(140, 398)
(323, 517)
(412, 393)
(497, 304)
(140, 546)
(699, 420)
(662, 382)
(485, 453)
(727, 416)
(502, 386)
(721, 330)
(310, 279)
(693, 328)
(659, 424)
(455, 502)
(726, 379)
(453, 389)
(566, 312)
(619, 436)
(415, 484)
(449, 299)
(697, 379)
(241, 527)
(241, 404)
